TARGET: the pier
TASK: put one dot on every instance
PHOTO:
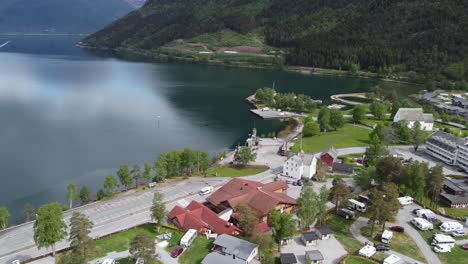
(275, 114)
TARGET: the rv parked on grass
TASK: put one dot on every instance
(426, 214)
(440, 239)
(451, 226)
(422, 223)
(188, 238)
(387, 236)
(356, 205)
(346, 213)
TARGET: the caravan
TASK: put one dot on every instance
(355, 205)
(188, 238)
(426, 214)
(440, 239)
(451, 226)
(422, 223)
(386, 236)
(406, 200)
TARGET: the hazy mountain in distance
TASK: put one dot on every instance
(60, 16)
(137, 3)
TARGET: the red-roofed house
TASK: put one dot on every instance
(201, 218)
(258, 196)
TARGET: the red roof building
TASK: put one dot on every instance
(258, 196)
(201, 218)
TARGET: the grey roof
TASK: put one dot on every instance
(307, 159)
(342, 167)
(310, 236)
(235, 246)
(324, 230)
(445, 138)
(455, 199)
(288, 258)
(314, 255)
(216, 258)
(414, 114)
(332, 152)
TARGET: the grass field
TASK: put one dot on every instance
(197, 251)
(236, 171)
(347, 136)
(340, 228)
(358, 260)
(457, 212)
(401, 243)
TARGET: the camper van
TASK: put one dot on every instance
(367, 251)
(451, 226)
(392, 259)
(406, 200)
(440, 239)
(188, 238)
(422, 223)
(355, 205)
(206, 190)
(442, 249)
(426, 214)
(387, 236)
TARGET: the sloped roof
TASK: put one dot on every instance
(310, 236)
(261, 227)
(342, 167)
(314, 255)
(197, 216)
(235, 246)
(288, 258)
(332, 152)
(216, 258)
(258, 196)
(324, 230)
(414, 114)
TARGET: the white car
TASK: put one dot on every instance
(206, 190)
(16, 261)
(458, 233)
(442, 248)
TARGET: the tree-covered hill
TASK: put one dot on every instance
(426, 36)
(59, 16)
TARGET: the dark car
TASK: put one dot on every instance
(176, 252)
(299, 183)
(465, 247)
(415, 210)
(399, 229)
(294, 183)
(381, 247)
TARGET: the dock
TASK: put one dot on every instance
(274, 114)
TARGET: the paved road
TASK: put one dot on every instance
(356, 231)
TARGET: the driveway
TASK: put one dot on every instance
(331, 250)
(356, 231)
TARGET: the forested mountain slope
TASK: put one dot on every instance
(59, 16)
(397, 35)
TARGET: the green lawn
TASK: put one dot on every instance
(347, 136)
(340, 228)
(197, 251)
(457, 212)
(358, 260)
(401, 242)
(121, 241)
(236, 171)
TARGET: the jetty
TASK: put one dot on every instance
(339, 98)
(267, 113)
(4, 44)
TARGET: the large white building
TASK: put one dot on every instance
(300, 166)
(413, 115)
(448, 148)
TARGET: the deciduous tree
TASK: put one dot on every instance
(388, 169)
(158, 209)
(125, 176)
(143, 246)
(336, 119)
(147, 172)
(416, 135)
(247, 218)
(322, 209)
(307, 201)
(378, 110)
(374, 151)
(324, 118)
(4, 216)
(359, 113)
(72, 194)
(109, 184)
(85, 196)
(244, 155)
(282, 223)
(28, 211)
(80, 241)
(311, 128)
(49, 227)
(435, 182)
(339, 193)
(265, 244)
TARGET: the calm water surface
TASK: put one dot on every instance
(68, 116)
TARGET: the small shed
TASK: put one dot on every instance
(310, 238)
(342, 168)
(288, 258)
(324, 232)
(314, 256)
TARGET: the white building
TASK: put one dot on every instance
(413, 115)
(300, 166)
(448, 148)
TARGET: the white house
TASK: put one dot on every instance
(413, 115)
(300, 166)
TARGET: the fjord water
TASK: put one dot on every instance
(70, 117)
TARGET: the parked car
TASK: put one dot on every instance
(299, 183)
(294, 183)
(276, 178)
(458, 233)
(465, 247)
(176, 252)
(381, 247)
(442, 248)
(288, 181)
(415, 211)
(399, 229)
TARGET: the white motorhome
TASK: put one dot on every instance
(451, 226)
(440, 239)
(367, 251)
(406, 200)
(206, 190)
(442, 249)
(426, 213)
(108, 261)
(356, 205)
(188, 238)
(422, 223)
(392, 259)
(387, 236)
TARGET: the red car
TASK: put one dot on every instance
(176, 252)
(465, 247)
(399, 229)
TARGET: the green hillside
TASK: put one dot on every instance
(384, 36)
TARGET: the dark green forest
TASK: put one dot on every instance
(426, 37)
